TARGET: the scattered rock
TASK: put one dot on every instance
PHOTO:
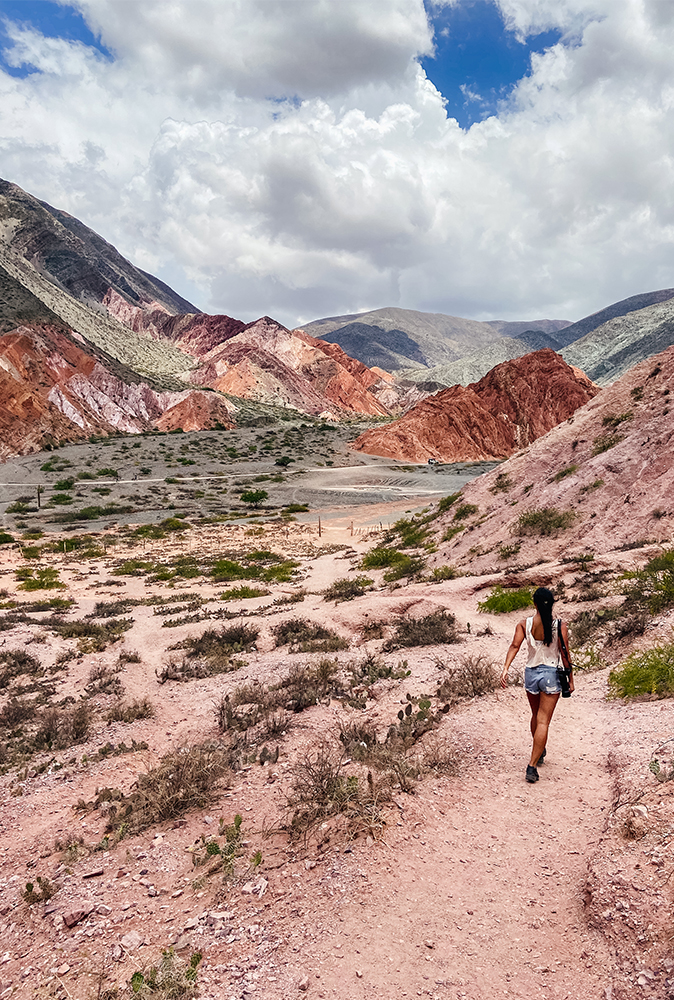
(94, 873)
(303, 984)
(641, 811)
(309, 865)
(184, 941)
(103, 910)
(62, 970)
(132, 941)
(116, 953)
(78, 912)
(429, 943)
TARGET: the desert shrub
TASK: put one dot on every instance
(307, 637)
(502, 601)
(603, 442)
(63, 727)
(651, 588)
(254, 497)
(411, 533)
(380, 558)
(440, 573)
(372, 668)
(110, 609)
(506, 552)
(184, 779)
(15, 663)
(38, 893)
(452, 531)
(161, 530)
(321, 790)
(242, 593)
(265, 566)
(295, 598)
(408, 566)
(5, 538)
(139, 708)
(128, 656)
(563, 473)
(347, 588)
(295, 508)
(614, 420)
(543, 521)
(472, 677)
(431, 630)
(172, 979)
(586, 624)
(104, 679)
(649, 673)
(213, 642)
(589, 487)
(448, 502)
(501, 483)
(465, 510)
(46, 578)
(92, 638)
(16, 711)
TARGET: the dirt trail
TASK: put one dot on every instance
(488, 870)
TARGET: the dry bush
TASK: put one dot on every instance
(304, 636)
(16, 663)
(139, 708)
(71, 848)
(440, 755)
(322, 790)
(15, 712)
(185, 778)
(104, 679)
(129, 656)
(472, 677)
(64, 727)
(371, 630)
(432, 630)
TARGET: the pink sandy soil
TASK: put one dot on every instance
(480, 885)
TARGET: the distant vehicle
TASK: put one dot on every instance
(433, 461)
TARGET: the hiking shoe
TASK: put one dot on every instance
(541, 758)
(532, 774)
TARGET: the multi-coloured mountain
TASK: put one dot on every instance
(517, 402)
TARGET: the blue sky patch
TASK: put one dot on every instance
(477, 61)
(52, 19)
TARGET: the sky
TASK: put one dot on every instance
(494, 159)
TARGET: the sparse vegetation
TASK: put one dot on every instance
(303, 636)
(473, 677)
(441, 573)
(139, 708)
(347, 588)
(651, 588)
(543, 521)
(431, 630)
(242, 593)
(465, 510)
(642, 674)
(563, 473)
(44, 578)
(506, 552)
(172, 979)
(502, 483)
(603, 442)
(502, 601)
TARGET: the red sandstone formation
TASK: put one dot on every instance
(53, 390)
(515, 403)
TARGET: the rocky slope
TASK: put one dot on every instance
(615, 346)
(608, 472)
(393, 338)
(624, 307)
(510, 407)
(54, 390)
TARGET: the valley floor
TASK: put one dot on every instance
(478, 886)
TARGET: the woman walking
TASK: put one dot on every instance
(541, 683)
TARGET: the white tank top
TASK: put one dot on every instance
(540, 654)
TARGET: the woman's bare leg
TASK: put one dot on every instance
(542, 708)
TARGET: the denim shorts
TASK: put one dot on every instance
(541, 679)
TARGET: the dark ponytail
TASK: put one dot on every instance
(544, 599)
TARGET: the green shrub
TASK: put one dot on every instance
(380, 558)
(544, 521)
(649, 673)
(242, 593)
(46, 578)
(408, 566)
(107, 472)
(563, 473)
(465, 510)
(614, 420)
(411, 533)
(303, 636)
(501, 483)
(652, 587)
(5, 538)
(254, 497)
(508, 551)
(502, 601)
(452, 531)
(161, 530)
(440, 573)
(448, 502)
(431, 630)
(603, 442)
(592, 486)
(347, 588)
(295, 508)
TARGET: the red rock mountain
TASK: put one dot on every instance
(599, 481)
(515, 403)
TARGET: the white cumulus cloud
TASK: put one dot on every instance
(290, 157)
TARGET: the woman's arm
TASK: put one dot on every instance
(513, 650)
(568, 665)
